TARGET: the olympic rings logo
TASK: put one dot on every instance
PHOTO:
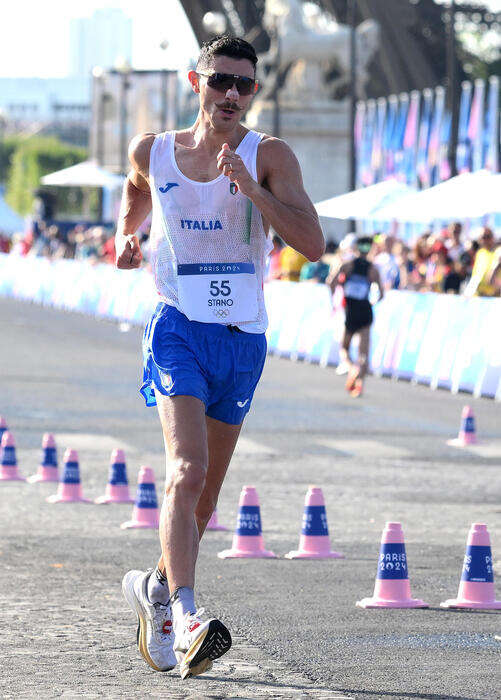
(220, 313)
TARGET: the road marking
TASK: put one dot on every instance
(246, 446)
(488, 449)
(91, 441)
(364, 448)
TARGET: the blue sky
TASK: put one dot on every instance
(35, 35)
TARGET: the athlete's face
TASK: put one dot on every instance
(223, 109)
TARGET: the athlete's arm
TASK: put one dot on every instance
(136, 203)
(375, 277)
(283, 201)
(333, 278)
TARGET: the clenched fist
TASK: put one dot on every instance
(128, 254)
(230, 163)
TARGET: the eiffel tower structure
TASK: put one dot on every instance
(412, 47)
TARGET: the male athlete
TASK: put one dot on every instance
(356, 276)
(215, 189)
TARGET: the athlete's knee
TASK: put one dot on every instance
(187, 477)
(206, 506)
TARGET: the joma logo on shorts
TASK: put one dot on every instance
(194, 225)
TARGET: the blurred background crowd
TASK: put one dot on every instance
(448, 262)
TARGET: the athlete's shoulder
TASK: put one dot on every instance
(275, 154)
(139, 152)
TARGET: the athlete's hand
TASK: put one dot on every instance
(129, 254)
(233, 167)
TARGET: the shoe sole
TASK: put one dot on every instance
(131, 598)
(213, 643)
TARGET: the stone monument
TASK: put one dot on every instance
(308, 45)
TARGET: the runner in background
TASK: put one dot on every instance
(356, 276)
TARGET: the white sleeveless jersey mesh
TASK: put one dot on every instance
(196, 224)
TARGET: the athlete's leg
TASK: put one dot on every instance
(185, 436)
(344, 350)
(363, 350)
(344, 353)
(221, 438)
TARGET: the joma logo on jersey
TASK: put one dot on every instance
(195, 225)
(168, 186)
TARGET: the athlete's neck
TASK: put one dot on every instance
(206, 138)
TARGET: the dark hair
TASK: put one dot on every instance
(225, 45)
(364, 244)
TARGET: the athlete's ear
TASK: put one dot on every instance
(194, 80)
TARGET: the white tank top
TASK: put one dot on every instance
(208, 245)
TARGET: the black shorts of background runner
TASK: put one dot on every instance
(358, 314)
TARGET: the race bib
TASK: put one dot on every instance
(356, 287)
(218, 292)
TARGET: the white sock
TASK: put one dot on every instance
(158, 587)
(182, 601)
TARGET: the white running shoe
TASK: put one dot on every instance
(342, 368)
(155, 636)
(199, 642)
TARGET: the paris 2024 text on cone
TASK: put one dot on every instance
(392, 588)
(117, 488)
(47, 469)
(69, 489)
(476, 588)
(8, 459)
(213, 523)
(145, 511)
(467, 431)
(314, 542)
(248, 539)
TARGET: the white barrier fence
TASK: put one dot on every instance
(445, 341)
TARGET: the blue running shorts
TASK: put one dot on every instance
(218, 364)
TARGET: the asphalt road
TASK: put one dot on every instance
(66, 631)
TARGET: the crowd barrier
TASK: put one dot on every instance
(445, 341)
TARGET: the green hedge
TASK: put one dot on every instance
(32, 159)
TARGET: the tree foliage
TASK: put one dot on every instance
(32, 159)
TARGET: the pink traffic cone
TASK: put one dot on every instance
(8, 460)
(213, 523)
(314, 541)
(69, 489)
(3, 426)
(248, 539)
(117, 488)
(467, 433)
(476, 588)
(145, 511)
(392, 589)
(47, 469)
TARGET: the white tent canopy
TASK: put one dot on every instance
(466, 196)
(86, 174)
(360, 204)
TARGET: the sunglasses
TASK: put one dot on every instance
(222, 82)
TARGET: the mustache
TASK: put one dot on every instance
(229, 105)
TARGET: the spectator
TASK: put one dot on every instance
(483, 266)
(273, 270)
(405, 264)
(319, 271)
(386, 263)
(454, 246)
(291, 263)
(495, 277)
